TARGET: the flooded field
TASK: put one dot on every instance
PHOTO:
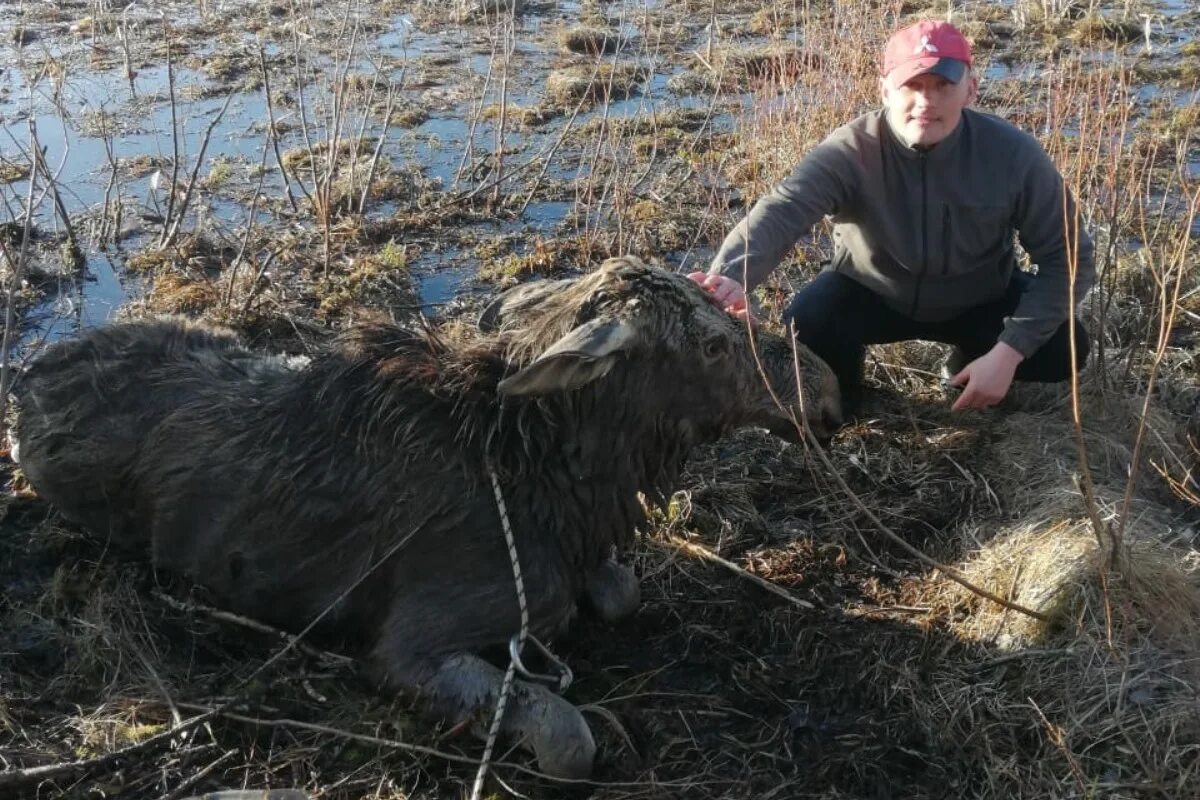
(120, 114)
(288, 167)
(573, 122)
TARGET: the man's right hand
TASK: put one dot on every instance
(726, 292)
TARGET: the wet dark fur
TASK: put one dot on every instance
(280, 486)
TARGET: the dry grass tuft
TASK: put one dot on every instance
(783, 63)
(1057, 567)
(589, 40)
(567, 87)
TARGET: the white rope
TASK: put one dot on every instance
(515, 645)
(522, 635)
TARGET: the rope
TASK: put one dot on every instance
(515, 646)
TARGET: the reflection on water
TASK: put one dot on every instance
(436, 287)
(443, 69)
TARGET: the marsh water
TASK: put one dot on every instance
(89, 82)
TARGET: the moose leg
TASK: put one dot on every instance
(463, 686)
(613, 590)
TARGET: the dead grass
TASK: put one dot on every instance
(568, 86)
(1095, 29)
(589, 40)
(896, 683)
(783, 63)
(717, 688)
(1106, 684)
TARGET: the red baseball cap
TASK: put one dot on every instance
(929, 46)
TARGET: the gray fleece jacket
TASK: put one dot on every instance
(930, 231)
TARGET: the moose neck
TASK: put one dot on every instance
(572, 464)
(590, 453)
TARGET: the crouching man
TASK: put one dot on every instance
(926, 195)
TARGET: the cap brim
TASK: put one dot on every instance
(951, 69)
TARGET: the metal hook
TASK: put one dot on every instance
(561, 682)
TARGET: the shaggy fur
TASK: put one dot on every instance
(356, 485)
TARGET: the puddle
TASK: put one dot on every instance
(438, 286)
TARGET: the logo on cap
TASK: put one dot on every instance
(925, 46)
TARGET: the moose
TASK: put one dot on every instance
(355, 488)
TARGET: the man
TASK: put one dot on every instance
(925, 196)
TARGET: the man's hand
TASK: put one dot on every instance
(987, 378)
(726, 292)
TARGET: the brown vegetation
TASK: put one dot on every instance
(725, 683)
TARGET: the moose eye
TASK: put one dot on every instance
(591, 307)
(715, 346)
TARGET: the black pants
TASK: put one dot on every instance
(837, 317)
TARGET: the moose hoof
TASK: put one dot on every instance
(563, 742)
(464, 687)
(614, 591)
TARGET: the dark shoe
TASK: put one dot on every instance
(852, 397)
(850, 383)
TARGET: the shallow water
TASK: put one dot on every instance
(66, 112)
(140, 118)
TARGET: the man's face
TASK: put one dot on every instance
(926, 108)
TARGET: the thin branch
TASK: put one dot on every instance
(175, 155)
(417, 749)
(237, 260)
(699, 551)
(192, 780)
(254, 625)
(374, 165)
(192, 188)
(31, 776)
(14, 281)
(266, 79)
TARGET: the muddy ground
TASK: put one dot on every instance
(640, 128)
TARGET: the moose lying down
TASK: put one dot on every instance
(358, 484)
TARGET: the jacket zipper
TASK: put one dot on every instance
(924, 240)
(945, 241)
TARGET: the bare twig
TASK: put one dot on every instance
(110, 230)
(256, 626)
(1168, 308)
(14, 779)
(699, 551)
(14, 281)
(948, 571)
(374, 165)
(51, 179)
(416, 749)
(266, 78)
(237, 260)
(507, 33)
(194, 779)
(192, 187)
(173, 187)
(262, 269)
(562, 136)
(468, 156)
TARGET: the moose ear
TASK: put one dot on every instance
(516, 301)
(583, 355)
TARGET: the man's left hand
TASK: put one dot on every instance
(987, 379)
